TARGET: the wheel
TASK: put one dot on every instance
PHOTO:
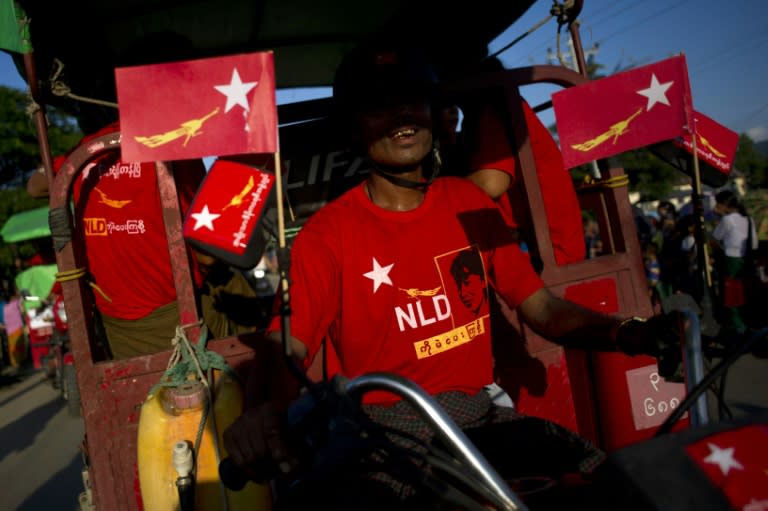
(70, 391)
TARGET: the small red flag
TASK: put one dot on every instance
(624, 111)
(225, 218)
(196, 108)
(736, 461)
(715, 144)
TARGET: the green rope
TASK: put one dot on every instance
(188, 358)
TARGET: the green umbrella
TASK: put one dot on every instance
(26, 225)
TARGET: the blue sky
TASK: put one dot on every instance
(725, 43)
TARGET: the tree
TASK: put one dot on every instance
(19, 148)
(14, 200)
(19, 157)
(751, 162)
(651, 176)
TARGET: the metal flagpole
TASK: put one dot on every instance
(709, 325)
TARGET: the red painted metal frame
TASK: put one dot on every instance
(112, 391)
(584, 409)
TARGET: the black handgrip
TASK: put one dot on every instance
(235, 478)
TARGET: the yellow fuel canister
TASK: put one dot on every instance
(171, 416)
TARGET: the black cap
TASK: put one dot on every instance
(378, 73)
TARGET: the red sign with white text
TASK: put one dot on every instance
(224, 219)
(196, 108)
(624, 111)
(715, 144)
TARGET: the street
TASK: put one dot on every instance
(40, 460)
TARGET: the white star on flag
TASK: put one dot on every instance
(723, 458)
(656, 93)
(236, 91)
(379, 275)
(204, 219)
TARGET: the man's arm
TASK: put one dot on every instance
(271, 379)
(575, 326)
(568, 323)
(255, 441)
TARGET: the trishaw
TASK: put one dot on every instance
(45, 317)
(609, 398)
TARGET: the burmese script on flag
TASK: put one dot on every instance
(224, 218)
(624, 111)
(715, 144)
(196, 108)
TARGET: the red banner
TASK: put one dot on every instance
(624, 111)
(197, 108)
(715, 144)
(736, 461)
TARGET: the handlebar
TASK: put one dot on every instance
(305, 412)
(442, 424)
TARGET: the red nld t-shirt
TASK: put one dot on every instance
(561, 204)
(118, 206)
(414, 285)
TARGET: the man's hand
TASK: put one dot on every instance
(255, 443)
(658, 336)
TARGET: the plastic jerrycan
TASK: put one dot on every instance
(171, 416)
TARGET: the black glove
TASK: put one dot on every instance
(659, 336)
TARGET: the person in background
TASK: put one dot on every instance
(668, 238)
(732, 233)
(691, 279)
(364, 262)
(229, 303)
(652, 270)
(14, 329)
(4, 357)
(491, 159)
(120, 218)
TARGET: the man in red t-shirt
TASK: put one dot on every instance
(372, 271)
(119, 215)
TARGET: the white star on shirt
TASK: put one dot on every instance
(656, 93)
(204, 219)
(379, 275)
(722, 457)
(236, 91)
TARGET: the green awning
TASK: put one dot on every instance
(26, 225)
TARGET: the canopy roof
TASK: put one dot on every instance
(26, 225)
(92, 37)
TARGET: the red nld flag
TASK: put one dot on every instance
(624, 111)
(736, 461)
(224, 220)
(197, 108)
(715, 144)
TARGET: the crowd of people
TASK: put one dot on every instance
(721, 260)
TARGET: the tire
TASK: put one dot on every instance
(70, 391)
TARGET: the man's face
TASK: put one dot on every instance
(397, 135)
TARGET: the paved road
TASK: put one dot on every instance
(40, 459)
